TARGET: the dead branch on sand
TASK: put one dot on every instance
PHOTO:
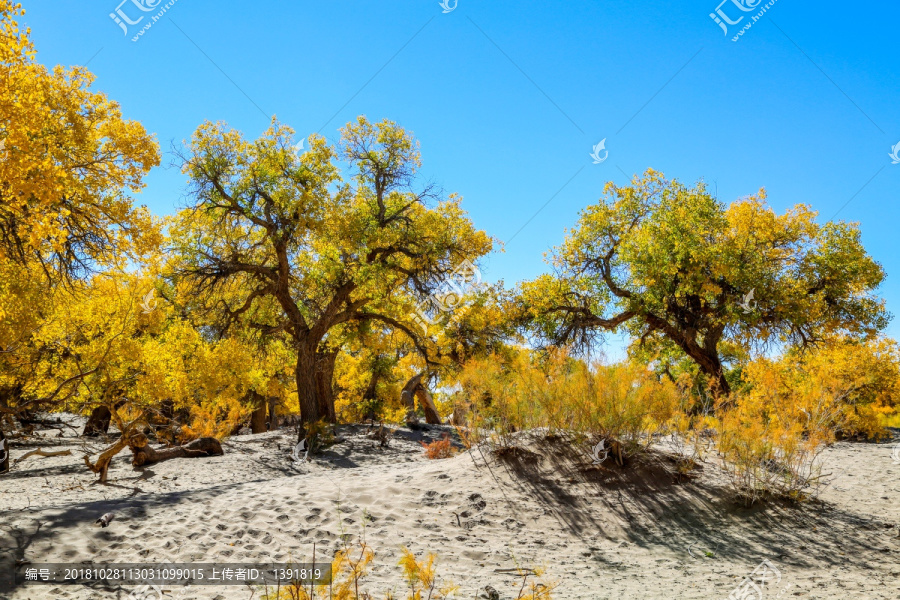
(140, 448)
(42, 453)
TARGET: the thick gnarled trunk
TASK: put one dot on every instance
(705, 354)
(307, 391)
(325, 362)
(98, 423)
(415, 389)
(315, 389)
(100, 419)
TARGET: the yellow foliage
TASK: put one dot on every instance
(792, 407)
(351, 565)
(421, 579)
(624, 402)
(68, 159)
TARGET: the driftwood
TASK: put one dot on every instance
(102, 464)
(144, 454)
(43, 453)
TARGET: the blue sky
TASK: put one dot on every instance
(508, 97)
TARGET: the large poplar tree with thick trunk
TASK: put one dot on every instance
(680, 271)
(275, 227)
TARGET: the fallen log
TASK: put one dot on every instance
(144, 454)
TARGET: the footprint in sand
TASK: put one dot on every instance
(477, 502)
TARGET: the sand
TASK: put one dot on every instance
(599, 533)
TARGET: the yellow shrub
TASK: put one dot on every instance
(421, 579)
(351, 565)
(624, 402)
(865, 376)
(439, 448)
(772, 433)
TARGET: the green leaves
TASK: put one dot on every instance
(668, 261)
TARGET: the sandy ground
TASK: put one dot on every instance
(599, 533)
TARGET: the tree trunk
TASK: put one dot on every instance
(258, 416)
(98, 423)
(325, 362)
(307, 392)
(371, 394)
(413, 389)
(4, 453)
(145, 455)
(427, 403)
(711, 366)
(273, 414)
(408, 398)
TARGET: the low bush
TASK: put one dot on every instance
(623, 404)
(438, 449)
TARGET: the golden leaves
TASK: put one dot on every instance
(70, 158)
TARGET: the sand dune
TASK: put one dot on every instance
(599, 533)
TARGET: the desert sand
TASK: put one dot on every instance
(599, 532)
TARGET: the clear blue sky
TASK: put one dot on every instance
(508, 97)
